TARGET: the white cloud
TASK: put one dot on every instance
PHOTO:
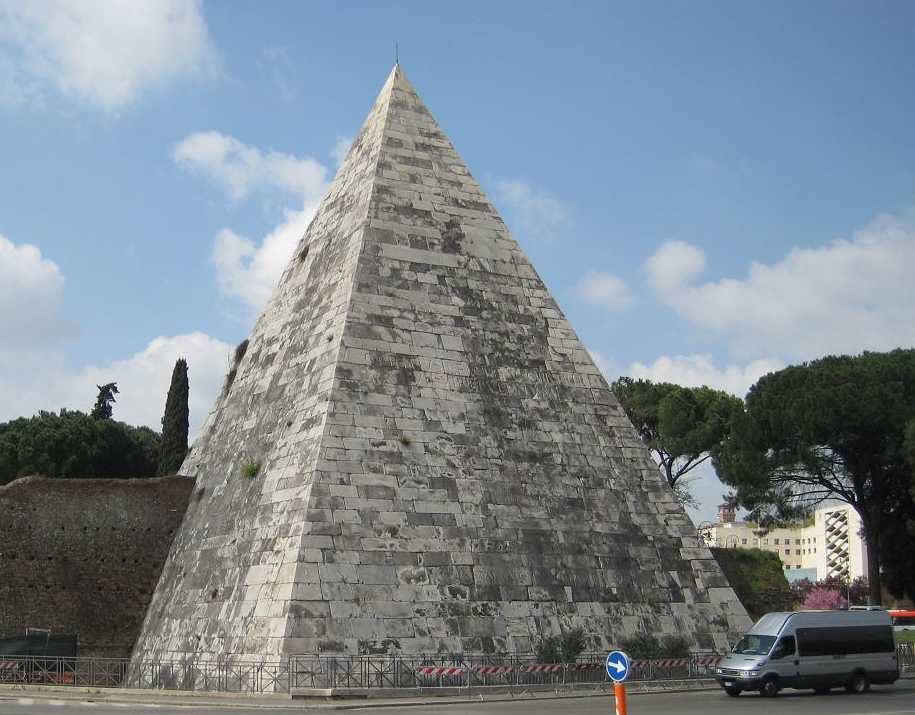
(537, 212)
(698, 370)
(843, 297)
(248, 271)
(102, 52)
(341, 149)
(673, 265)
(35, 375)
(241, 169)
(605, 289)
(608, 368)
(31, 296)
(143, 379)
(33, 380)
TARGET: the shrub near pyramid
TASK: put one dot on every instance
(416, 453)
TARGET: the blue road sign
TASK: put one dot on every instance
(618, 666)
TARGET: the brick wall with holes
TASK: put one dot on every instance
(84, 555)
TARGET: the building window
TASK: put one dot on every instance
(765, 542)
(743, 541)
(787, 566)
(776, 542)
(797, 542)
(787, 552)
(797, 552)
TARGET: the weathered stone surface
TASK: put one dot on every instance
(442, 464)
(83, 555)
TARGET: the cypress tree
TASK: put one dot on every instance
(173, 446)
(106, 396)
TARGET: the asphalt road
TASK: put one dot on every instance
(890, 700)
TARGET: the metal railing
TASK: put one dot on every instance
(905, 653)
(356, 672)
(362, 672)
(207, 675)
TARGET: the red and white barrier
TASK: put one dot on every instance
(493, 669)
(9, 665)
(676, 662)
(439, 670)
(433, 670)
(539, 668)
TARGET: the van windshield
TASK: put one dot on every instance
(754, 645)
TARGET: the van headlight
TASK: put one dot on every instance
(753, 673)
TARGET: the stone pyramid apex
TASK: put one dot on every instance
(416, 453)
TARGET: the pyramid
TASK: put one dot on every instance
(416, 453)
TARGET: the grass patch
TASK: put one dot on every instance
(250, 469)
(905, 637)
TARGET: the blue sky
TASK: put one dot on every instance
(711, 190)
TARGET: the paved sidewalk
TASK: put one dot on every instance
(280, 702)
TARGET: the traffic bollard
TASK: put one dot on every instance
(619, 695)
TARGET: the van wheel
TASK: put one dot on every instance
(733, 692)
(769, 688)
(858, 684)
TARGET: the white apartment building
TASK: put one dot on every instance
(830, 546)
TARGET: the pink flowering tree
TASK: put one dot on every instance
(824, 599)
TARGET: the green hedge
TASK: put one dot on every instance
(757, 577)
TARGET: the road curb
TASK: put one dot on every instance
(284, 702)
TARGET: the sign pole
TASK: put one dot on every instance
(618, 666)
(619, 695)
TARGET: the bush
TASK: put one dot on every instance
(548, 650)
(676, 647)
(757, 578)
(825, 599)
(646, 646)
(564, 648)
(643, 646)
(72, 445)
(856, 590)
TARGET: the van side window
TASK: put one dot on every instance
(845, 641)
(787, 646)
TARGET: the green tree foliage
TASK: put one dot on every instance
(647, 646)
(897, 539)
(828, 429)
(757, 578)
(73, 445)
(175, 421)
(564, 648)
(103, 409)
(898, 535)
(680, 425)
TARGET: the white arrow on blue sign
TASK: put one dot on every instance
(618, 666)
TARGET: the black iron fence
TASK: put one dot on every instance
(205, 675)
(357, 672)
(906, 655)
(362, 672)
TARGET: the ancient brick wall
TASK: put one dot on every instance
(84, 555)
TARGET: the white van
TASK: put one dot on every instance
(812, 649)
